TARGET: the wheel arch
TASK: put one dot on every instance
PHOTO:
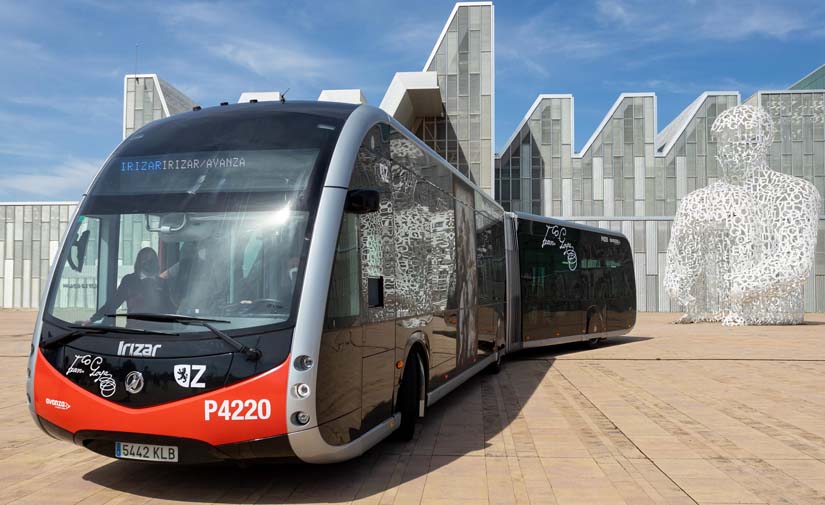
(419, 344)
(596, 312)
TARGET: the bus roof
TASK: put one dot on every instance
(335, 110)
(570, 224)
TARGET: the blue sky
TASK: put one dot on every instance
(62, 84)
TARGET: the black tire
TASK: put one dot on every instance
(594, 326)
(408, 398)
(495, 366)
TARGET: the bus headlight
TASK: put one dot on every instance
(300, 418)
(303, 363)
(301, 390)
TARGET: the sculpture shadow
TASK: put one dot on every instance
(467, 421)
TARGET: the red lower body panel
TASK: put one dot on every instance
(248, 410)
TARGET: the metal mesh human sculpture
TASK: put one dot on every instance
(742, 247)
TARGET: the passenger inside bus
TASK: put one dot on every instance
(144, 291)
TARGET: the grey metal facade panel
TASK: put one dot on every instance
(820, 288)
(547, 125)
(624, 147)
(464, 65)
(800, 120)
(143, 103)
(175, 100)
(24, 250)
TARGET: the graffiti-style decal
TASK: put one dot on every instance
(84, 363)
(557, 235)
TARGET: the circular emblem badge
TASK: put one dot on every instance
(134, 382)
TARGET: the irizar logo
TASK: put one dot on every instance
(58, 404)
(184, 378)
(137, 350)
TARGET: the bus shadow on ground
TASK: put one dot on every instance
(469, 421)
(572, 348)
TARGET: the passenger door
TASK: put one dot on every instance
(338, 402)
(378, 294)
(467, 351)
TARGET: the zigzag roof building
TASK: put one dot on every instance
(629, 176)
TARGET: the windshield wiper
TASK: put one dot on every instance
(79, 331)
(251, 353)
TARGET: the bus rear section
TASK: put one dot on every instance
(576, 283)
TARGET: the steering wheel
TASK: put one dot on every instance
(264, 303)
(260, 305)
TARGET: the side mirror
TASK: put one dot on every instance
(362, 201)
(77, 252)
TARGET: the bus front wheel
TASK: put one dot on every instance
(408, 398)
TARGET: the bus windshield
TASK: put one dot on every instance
(240, 266)
(210, 219)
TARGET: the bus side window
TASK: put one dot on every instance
(343, 302)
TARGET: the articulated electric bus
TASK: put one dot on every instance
(270, 280)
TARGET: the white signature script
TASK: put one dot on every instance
(102, 377)
(559, 233)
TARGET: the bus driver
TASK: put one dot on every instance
(143, 290)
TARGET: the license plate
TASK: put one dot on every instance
(146, 452)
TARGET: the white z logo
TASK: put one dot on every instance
(183, 376)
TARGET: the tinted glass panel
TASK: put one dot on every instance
(573, 281)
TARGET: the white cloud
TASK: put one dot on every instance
(640, 32)
(195, 13)
(413, 38)
(270, 48)
(541, 41)
(22, 149)
(277, 61)
(67, 179)
(774, 20)
(691, 88)
(103, 107)
(614, 11)
(20, 54)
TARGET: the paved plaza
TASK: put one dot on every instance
(669, 414)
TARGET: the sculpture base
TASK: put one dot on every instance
(774, 319)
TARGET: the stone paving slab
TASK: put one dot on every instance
(669, 414)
